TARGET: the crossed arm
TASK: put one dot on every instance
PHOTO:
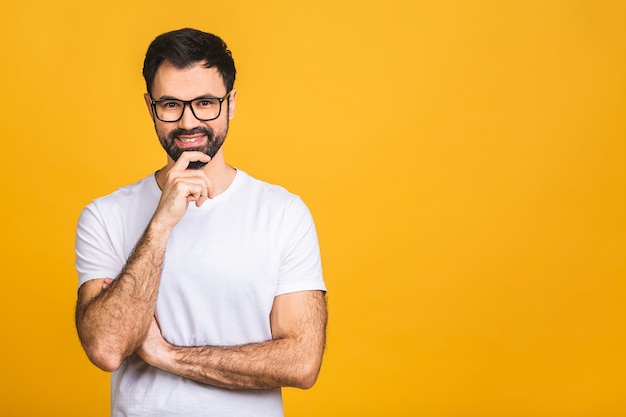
(115, 318)
(292, 358)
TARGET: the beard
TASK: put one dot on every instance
(213, 144)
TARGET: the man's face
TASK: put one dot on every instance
(189, 133)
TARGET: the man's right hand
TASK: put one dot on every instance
(181, 187)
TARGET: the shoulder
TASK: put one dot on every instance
(139, 189)
(264, 190)
(143, 193)
(271, 201)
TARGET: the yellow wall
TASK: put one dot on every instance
(465, 162)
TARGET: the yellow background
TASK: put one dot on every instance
(465, 162)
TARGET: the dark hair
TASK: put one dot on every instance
(186, 47)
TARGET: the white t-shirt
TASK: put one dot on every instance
(224, 264)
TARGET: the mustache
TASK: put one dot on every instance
(202, 130)
(196, 130)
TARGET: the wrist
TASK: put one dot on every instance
(157, 228)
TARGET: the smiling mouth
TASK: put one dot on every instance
(194, 139)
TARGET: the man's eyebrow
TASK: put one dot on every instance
(166, 97)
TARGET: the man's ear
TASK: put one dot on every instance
(149, 104)
(232, 100)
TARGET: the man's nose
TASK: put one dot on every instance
(188, 120)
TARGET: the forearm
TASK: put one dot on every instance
(265, 365)
(114, 322)
(292, 358)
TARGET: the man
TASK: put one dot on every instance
(200, 287)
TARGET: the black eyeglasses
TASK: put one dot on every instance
(204, 109)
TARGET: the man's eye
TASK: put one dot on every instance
(206, 103)
(169, 104)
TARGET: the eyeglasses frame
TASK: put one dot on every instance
(188, 102)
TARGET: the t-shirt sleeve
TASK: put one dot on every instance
(301, 267)
(95, 256)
